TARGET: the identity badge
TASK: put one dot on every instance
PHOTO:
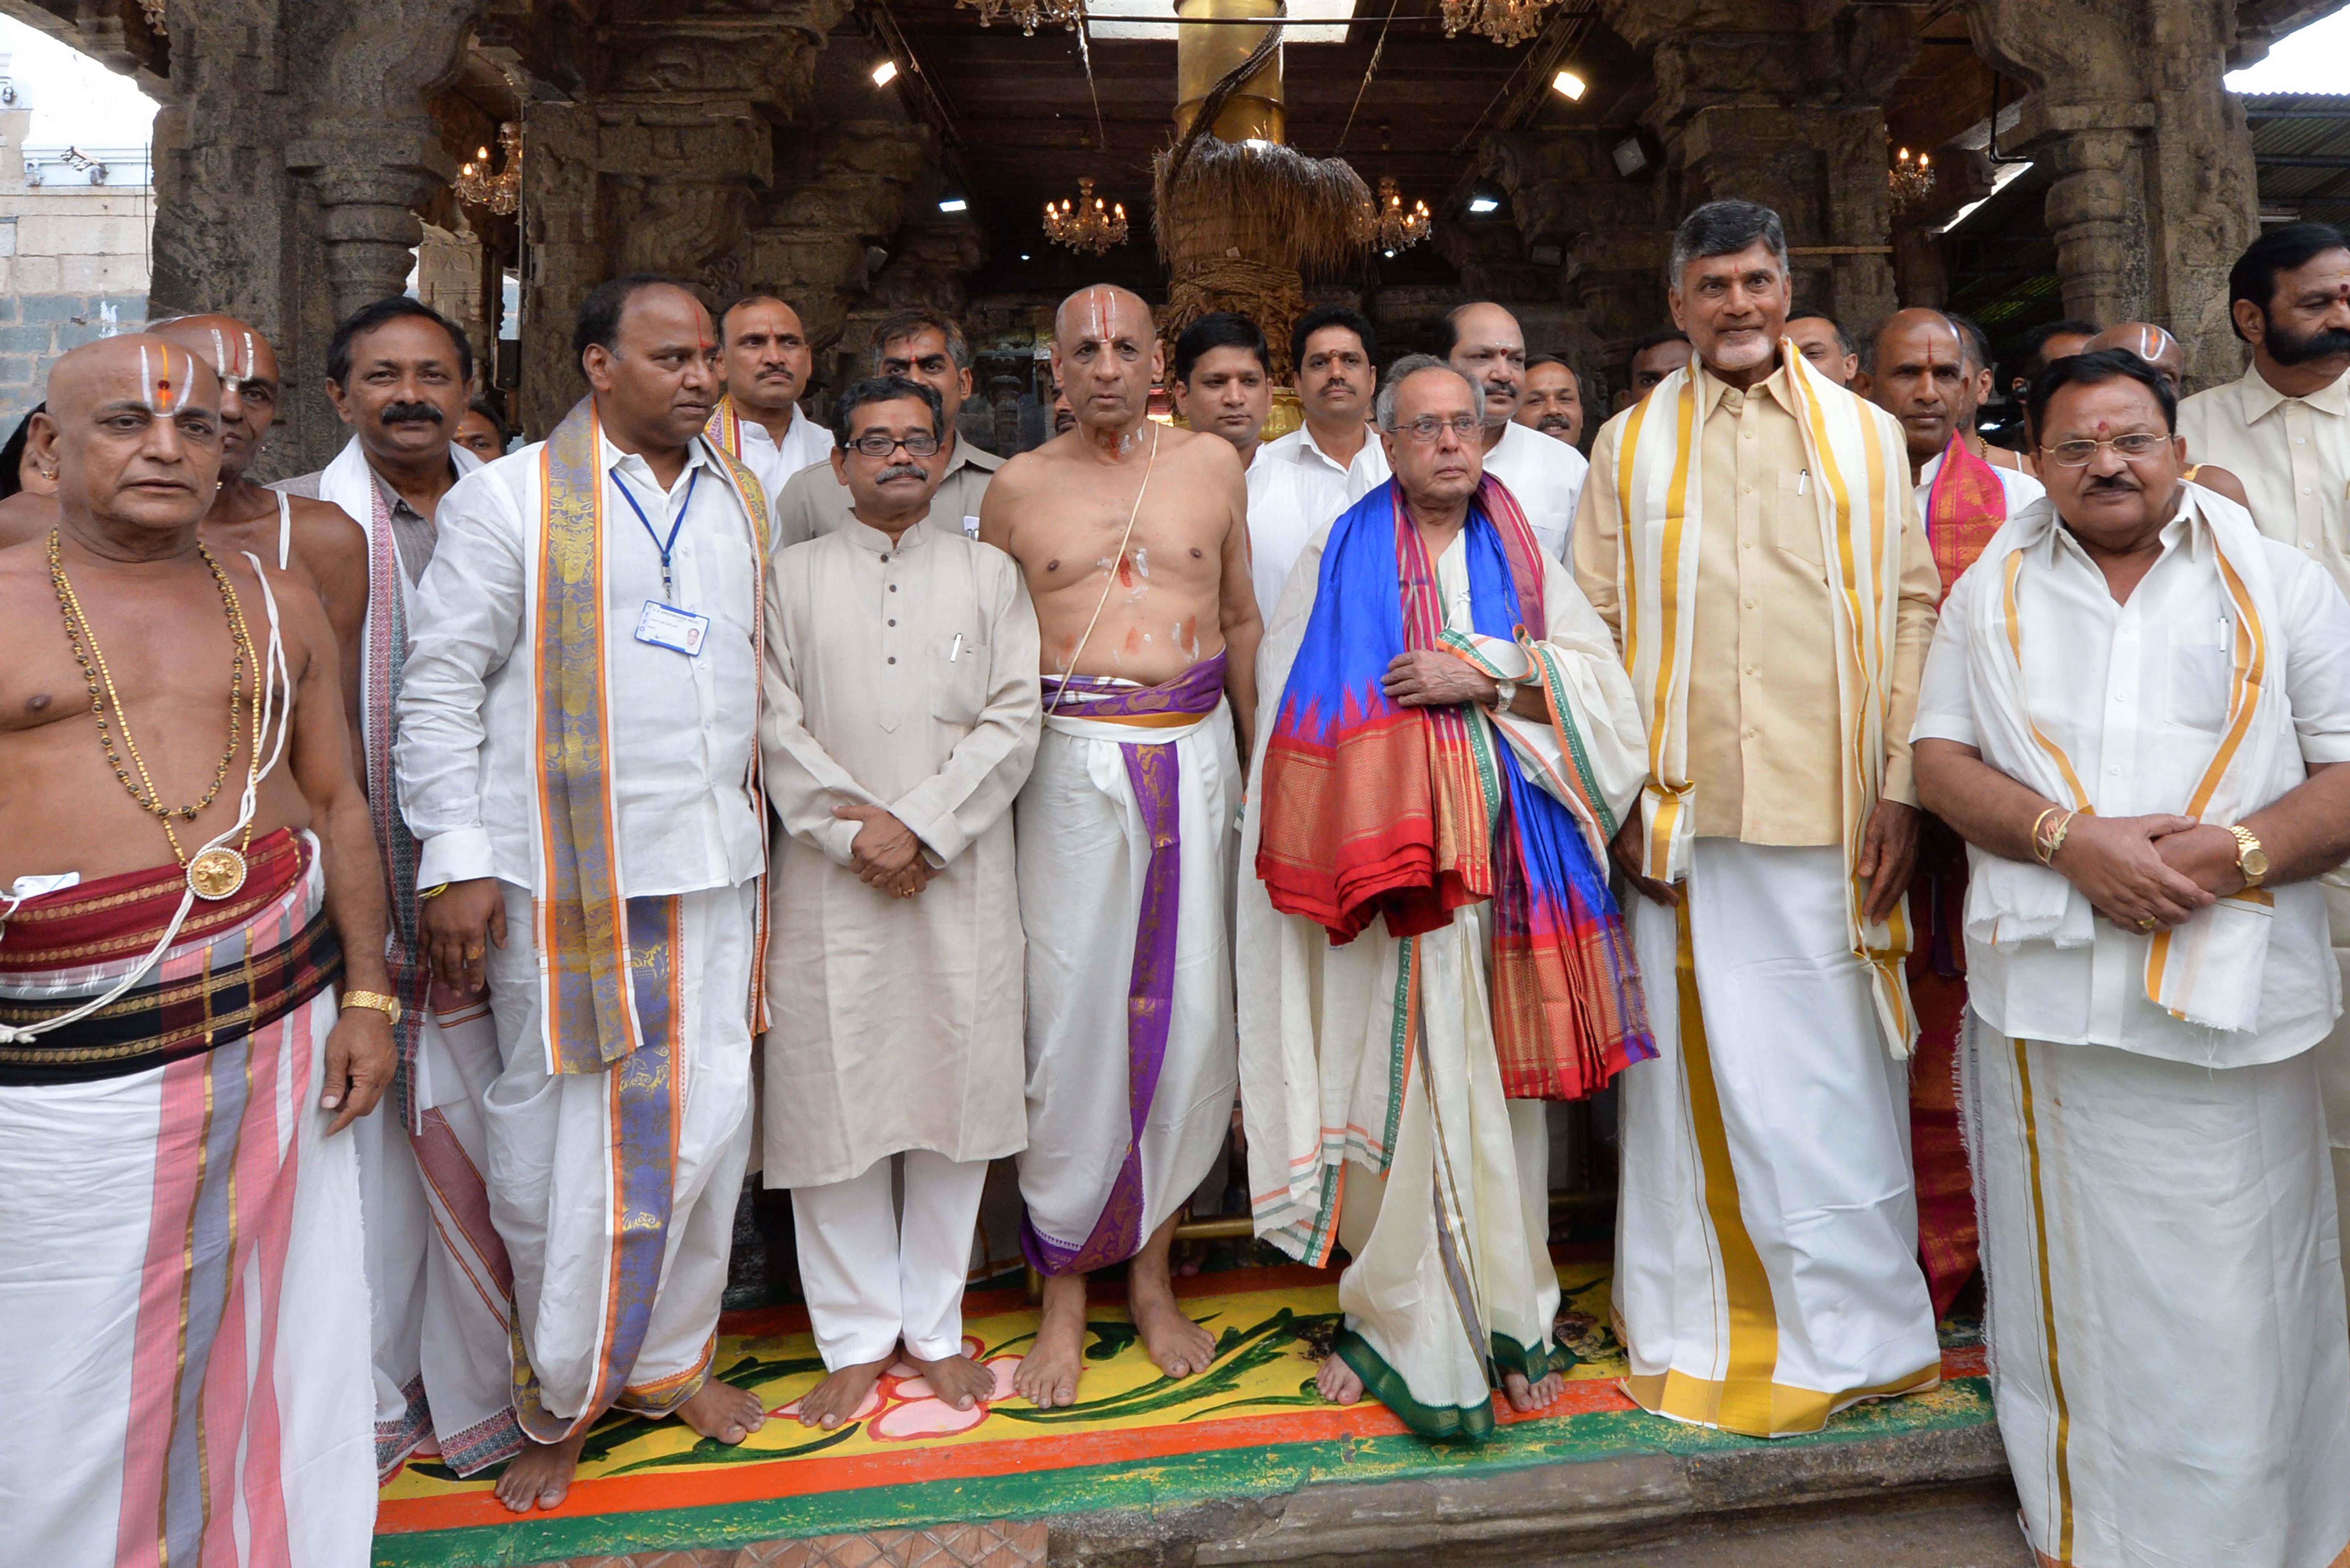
(971, 527)
(666, 625)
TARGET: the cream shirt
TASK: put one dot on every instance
(902, 675)
(1546, 475)
(814, 501)
(1765, 745)
(2292, 454)
(2136, 695)
(682, 728)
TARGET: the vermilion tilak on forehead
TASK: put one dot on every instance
(163, 393)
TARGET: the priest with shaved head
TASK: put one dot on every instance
(185, 872)
(1133, 539)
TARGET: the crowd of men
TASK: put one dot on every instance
(1936, 846)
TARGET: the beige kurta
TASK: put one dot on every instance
(900, 674)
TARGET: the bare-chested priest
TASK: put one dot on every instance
(1134, 540)
(185, 868)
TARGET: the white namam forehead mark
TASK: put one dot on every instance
(1093, 310)
(164, 388)
(233, 354)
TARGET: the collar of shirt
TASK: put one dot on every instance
(617, 462)
(754, 431)
(2261, 400)
(1713, 391)
(866, 537)
(2187, 532)
(395, 504)
(969, 456)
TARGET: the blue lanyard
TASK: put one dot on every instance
(669, 592)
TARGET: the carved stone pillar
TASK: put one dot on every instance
(2153, 197)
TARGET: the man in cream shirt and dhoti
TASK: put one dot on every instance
(2136, 713)
(2284, 430)
(1133, 539)
(1749, 532)
(1428, 950)
(900, 718)
(577, 755)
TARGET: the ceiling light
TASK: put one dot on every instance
(1481, 204)
(887, 72)
(1569, 86)
(1631, 156)
(952, 204)
(1024, 255)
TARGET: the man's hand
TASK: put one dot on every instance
(1427, 679)
(1626, 850)
(2114, 863)
(456, 928)
(884, 846)
(2205, 855)
(907, 883)
(359, 1062)
(1888, 853)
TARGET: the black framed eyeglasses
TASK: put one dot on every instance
(878, 443)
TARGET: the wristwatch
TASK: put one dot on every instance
(387, 1005)
(2251, 858)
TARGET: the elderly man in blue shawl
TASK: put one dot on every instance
(1428, 949)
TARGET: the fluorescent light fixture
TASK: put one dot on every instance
(1309, 21)
(952, 204)
(886, 72)
(1481, 204)
(1569, 86)
(1024, 255)
(1629, 156)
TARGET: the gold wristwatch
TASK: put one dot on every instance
(387, 1005)
(2251, 858)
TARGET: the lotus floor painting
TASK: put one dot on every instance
(1251, 1426)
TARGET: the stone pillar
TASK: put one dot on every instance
(2154, 197)
(452, 279)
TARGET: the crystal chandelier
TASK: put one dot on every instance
(1910, 180)
(1388, 227)
(1029, 14)
(1506, 22)
(501, 193)
(1087, 224)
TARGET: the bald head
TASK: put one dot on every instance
(2150, 343)
(132, 433)
(1488, 346)
(250, 386)
(1917, 371)
(1106, 356)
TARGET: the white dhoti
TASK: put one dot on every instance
(872, 1278)
(1131, 1057)
(2169, 1358)
(183, 1355)
(438, 1273)
(615, 1191)
(1766, 1237)
(2333, 1056)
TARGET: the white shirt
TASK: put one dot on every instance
(2136, 695)
(1546, 476)
(683, 730)
(1294, 488)
(2292, 454)
(2022, 489)
(805, 442)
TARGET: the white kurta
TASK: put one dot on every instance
(1350, 1138)
(1294, 488)
(900, 674)
(1546, 476)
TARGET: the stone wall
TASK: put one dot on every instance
(73, 266)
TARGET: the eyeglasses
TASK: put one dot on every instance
(878, 444)
(1427, 427)
(2132, 446)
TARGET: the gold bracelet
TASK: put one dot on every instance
(434, 891)
(2037, 824)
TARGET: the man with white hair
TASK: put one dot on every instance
(1428, 948)
(1749, 532)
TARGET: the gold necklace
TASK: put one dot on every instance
(215, 873)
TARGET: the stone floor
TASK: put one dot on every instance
(1001, 1544)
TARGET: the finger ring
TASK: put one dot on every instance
(473, 952)
(2146, 924)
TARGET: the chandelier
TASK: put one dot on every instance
(501, 193)
(1030, 15)
(1387, 226)
(1910, 180)
(1087, 224)
(1506, 22)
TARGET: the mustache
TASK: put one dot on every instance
(2110, 481)
(412, 413)
(902, 471)
(1553, 422)
(2287, 349)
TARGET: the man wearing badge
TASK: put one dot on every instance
(578, 755)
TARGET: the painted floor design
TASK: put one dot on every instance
(1250, 1425)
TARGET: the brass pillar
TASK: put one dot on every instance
(1214, 43)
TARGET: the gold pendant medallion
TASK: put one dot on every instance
(216, 873)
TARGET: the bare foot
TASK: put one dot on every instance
(1180, 1347)
(1048, 1373)
(540, 1476)
(1524, 1396)
(1337, 1381)
(957, 1379)
(722, 1411)
(841, 1395)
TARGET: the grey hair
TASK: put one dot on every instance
(1724, 229)
(1403, 369)
(896, 327)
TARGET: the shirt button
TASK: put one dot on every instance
(893, 587)
(1750, 603)
(893, 623)
(893, 659)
